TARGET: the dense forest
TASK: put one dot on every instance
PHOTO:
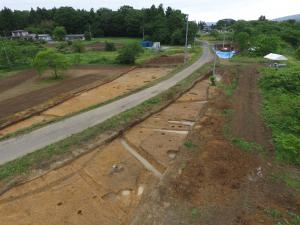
(155, 23)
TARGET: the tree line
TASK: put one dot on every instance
(154, 23)
(262, 36)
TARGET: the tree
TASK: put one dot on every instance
(59, 33)
(49, 59)
(262, 18)
(177, 37)
(266, 44)
(242, 39)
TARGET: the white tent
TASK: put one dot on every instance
(275, 57)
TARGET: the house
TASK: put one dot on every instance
(23, 34)
(19, 34)
(44, 37)
(73, 37)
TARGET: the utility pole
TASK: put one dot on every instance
(186, 39)
(90, 30)
(224, 35)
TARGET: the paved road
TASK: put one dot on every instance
(19, 146)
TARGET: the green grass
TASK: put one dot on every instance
(280, 218)
(117, 40)
(286, 178)
(247, 146)
(230, 88)
(38, 159)
(281, 97)
(7, 73)
(195, 213)
(189, 144)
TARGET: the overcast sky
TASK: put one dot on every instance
(207, 10)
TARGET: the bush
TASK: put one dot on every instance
(17, 53)
(109, 46)
(129, 53)
(78, 47)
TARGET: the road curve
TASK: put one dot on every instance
(21, 145)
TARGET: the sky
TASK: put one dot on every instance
(205, 10)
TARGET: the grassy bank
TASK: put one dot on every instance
(281, 110)
(46, 156)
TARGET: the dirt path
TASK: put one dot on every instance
(107, 185)
(247, 121)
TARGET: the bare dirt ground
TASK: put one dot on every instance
(10, 82)
(100, 46)
(130, 81)
(215, 182)
(106, 185)
(32, 89)
(247, 122)
(165, 61)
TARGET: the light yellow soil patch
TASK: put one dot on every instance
(122, 85)
(87, 191)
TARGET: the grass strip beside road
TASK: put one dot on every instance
(44, 157)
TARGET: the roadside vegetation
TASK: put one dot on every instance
(281, 110)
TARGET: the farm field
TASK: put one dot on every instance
(37, 94)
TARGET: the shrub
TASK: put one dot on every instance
(129, 53)
(109, 46)
(78, 47)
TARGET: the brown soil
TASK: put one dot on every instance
(100, 46)
(247, 121)
(27, 100)
(10, 82)
(173, 60)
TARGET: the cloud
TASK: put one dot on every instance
(208, 10)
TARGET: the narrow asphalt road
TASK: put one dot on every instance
(19, 146)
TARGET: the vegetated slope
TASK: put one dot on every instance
(281, 110)
(293, 17)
